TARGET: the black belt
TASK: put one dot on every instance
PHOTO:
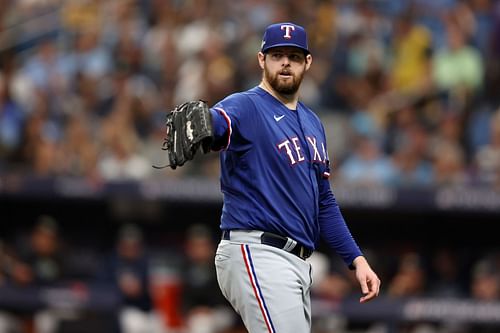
(278, 241)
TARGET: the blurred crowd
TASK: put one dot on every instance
(130, 285)
(164, 285)
(408, 90)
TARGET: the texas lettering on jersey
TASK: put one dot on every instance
(293, 150)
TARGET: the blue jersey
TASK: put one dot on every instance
(274, 171)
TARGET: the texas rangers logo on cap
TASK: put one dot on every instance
(288, 29)
(285, 34)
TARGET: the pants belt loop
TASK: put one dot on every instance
(290, 244)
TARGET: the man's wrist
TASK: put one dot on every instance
(359, 260)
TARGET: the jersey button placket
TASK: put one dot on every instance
(309, 161)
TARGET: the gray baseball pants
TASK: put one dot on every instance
(267, 286)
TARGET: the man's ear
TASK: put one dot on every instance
(309, 60)
(261, 57)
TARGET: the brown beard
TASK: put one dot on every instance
(285, 88)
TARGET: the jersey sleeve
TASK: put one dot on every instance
(227, 117)
(221, 124)
(333, 227)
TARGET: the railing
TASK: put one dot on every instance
(455, 198)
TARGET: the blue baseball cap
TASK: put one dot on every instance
(284, 34)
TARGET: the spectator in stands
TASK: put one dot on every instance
(42, 133)
(448, 154)
(485, 288)
(43, 261)
(483, 21)
(487, 158)
(412, 51)
(49, 69)
(449, 130)
(8, 323)
(410, 159)
(121, 160)
(449, 165)
(46, 158)
(79, 149)
(492, 57)
(92, 60)
(127, 269)
(12, 119)
(205, 308)
(408, 281)
(410, 277)
(367, 165)
(458, 67)
(446, 275)
(485, 285)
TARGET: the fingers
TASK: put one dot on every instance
(368, 280)
(370, 288)
(364, 286)
(367, 297)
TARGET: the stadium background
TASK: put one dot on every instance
(409, 94)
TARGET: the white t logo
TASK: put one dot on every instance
(288, 29)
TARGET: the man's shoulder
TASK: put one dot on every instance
(310, 113)
(255, 91)
(242, 97)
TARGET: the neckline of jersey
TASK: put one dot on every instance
(266, 93)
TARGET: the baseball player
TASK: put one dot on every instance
(277, 197)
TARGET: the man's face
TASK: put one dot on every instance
(284, 68)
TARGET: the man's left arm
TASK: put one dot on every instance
(336, 233)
